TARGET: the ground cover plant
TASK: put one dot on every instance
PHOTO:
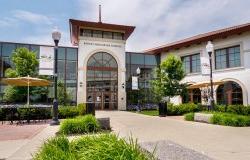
(189, 116)
(80, 125)
(96, 147)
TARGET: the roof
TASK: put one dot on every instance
(75, 24)
(209, 36)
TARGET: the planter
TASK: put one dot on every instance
(202, 117)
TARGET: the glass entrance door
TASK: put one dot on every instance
(102, 79)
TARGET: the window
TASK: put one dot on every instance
(97, 34)
(150, 60)
(61, 53)
(118, 36)
(107, 35)
(191, 63)
(71, 54)
(7, 49)
(227, 57)
(86, 33)
(71, 70)
(137, 59)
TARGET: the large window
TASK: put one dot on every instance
(227, 57)
(101, 34)
(229, 93)
(191, 63)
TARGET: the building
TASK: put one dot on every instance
(230, 63)
(99, 70)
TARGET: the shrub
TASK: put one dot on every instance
(181, 109)
(234, 109)
(189, 116)
(81, 108)
(228, 119)
(67, 112)
(105, 146)
(79, 125)
(57, 148)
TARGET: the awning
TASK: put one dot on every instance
(205, 84)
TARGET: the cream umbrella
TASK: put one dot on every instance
(205, 84)
(26, 81)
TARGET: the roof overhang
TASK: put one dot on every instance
(222, 33)
(74, 26)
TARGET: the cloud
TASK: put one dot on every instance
(32, 17)
(163, 21)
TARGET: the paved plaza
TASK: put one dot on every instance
(217, 142)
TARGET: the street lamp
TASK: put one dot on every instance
(210, 49)
(56, 35)
(138, 72)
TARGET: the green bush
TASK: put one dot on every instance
(81, 109)
(234, 109)
(92, 147)
(228, 119)
(67, 112)
(181, 109)
(189, 116)
(80, 125)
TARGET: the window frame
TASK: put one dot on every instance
(227, 57)
(191, 62)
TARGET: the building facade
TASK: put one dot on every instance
(230, 64)
(98, 69)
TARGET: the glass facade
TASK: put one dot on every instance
(147, 64)
(67, 66)
(227, 57)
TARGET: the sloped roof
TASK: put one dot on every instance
(209, 36)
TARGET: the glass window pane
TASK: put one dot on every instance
(97, 34)
(71, 53)
(118, 35)
(150, 60)
(61, 53)
(36, 49)
(127, 58)
(137, 58)
(61, 69)
(7, 49)
(71, 69)
(87, 33)
(22, 46)
(107, 35)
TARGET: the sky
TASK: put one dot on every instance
(157, 22)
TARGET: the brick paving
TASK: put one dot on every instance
(17, 132)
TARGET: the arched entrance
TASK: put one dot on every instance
(102, 81)
(193, 96)
(229, 93)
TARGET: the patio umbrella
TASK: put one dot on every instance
(26, 81)
(204, 84)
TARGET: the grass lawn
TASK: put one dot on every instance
(149, 112)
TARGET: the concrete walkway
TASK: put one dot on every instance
(22, 149)
(217, 142)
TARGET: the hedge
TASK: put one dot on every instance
(181, 109)
(189, 116)
(41, 112)
(228, 119)
(234, 109)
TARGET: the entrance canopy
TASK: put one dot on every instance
(204, 84)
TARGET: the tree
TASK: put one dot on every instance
(25, 63)
(168, 77)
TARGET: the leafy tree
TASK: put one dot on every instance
(25, 63)
(168, 77)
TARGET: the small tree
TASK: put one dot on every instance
(25, 63)
(168, 77)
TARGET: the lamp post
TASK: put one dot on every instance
(56, 35)
(210, 49)
(138, 72)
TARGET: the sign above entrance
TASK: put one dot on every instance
(134, 83)
(102, 44)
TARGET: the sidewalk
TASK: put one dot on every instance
(22, 149)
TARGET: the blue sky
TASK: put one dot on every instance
(157, 22)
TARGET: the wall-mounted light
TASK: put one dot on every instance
(123, 85)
